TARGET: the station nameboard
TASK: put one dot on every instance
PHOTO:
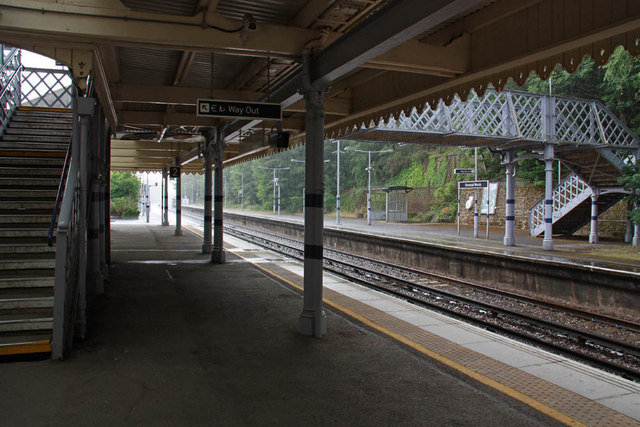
(473, 184)
(464, 171)
(239, 109)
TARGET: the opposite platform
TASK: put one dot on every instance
(176, 340)
(573, 251)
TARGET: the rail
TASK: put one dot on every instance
(61, 187)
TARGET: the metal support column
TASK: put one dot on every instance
(208, 197)
(476, 224)
(178, 202)
(628, 235)
(312, 320)
(369, 190)
(510, 209)
(105, 155)
(547, 243)
(95, 283)
(165, 196)
(636, 234)
(338, 183)
(86, 108)
(593, 233)
(217, 254)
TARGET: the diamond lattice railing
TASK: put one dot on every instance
(520, 115)
(46, 88)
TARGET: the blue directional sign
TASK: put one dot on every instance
(473, 184)
(239, 109)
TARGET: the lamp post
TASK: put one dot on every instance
(275, 184)
(303, 161)
(337, 141)
(369, 169)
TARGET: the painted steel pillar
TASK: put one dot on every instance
(510, 209)
(312, 320)
(165, 196)
(369, 190)
(208, 197)
(217, 253)
(86, 109)
(636, 234)
(178, 231)
(95, 283)
(476, 213)
(628, 235)
(93, 239)
(338, 184)
(547, 243)
(105, 155)
(593, 233)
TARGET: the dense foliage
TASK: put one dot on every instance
(125, 189)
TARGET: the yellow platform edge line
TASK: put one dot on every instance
(539, 406)
(43, 346)
(47, 109)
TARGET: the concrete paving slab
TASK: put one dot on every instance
(455, 333)
(628, 404)
(387, 305)
(580, 382)
(507, 353)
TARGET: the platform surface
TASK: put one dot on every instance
(176, 340)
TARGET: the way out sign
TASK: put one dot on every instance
(239, 109)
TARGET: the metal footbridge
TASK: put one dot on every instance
(587, 138)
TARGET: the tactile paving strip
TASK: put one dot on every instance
(555, 401)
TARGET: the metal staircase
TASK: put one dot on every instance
(589, 140)
(32, 153)
(34, 140)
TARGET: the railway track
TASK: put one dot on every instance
(608, 343)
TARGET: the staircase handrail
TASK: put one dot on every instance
(61, 187)
(66, 271)
(13, 76)
(14, 52)
(10, 99)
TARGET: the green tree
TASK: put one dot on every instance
(631, 181)
(125, 190)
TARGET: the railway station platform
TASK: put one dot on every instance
(606, 254)
(175, 340)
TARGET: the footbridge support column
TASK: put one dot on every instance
(547, 243)
(636, 234)
(510, 209)
(217, 253)
(312, 319)
(593, 233)
(208, 197)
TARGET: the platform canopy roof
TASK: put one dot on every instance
(150, 60)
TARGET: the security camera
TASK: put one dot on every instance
(249, 22)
